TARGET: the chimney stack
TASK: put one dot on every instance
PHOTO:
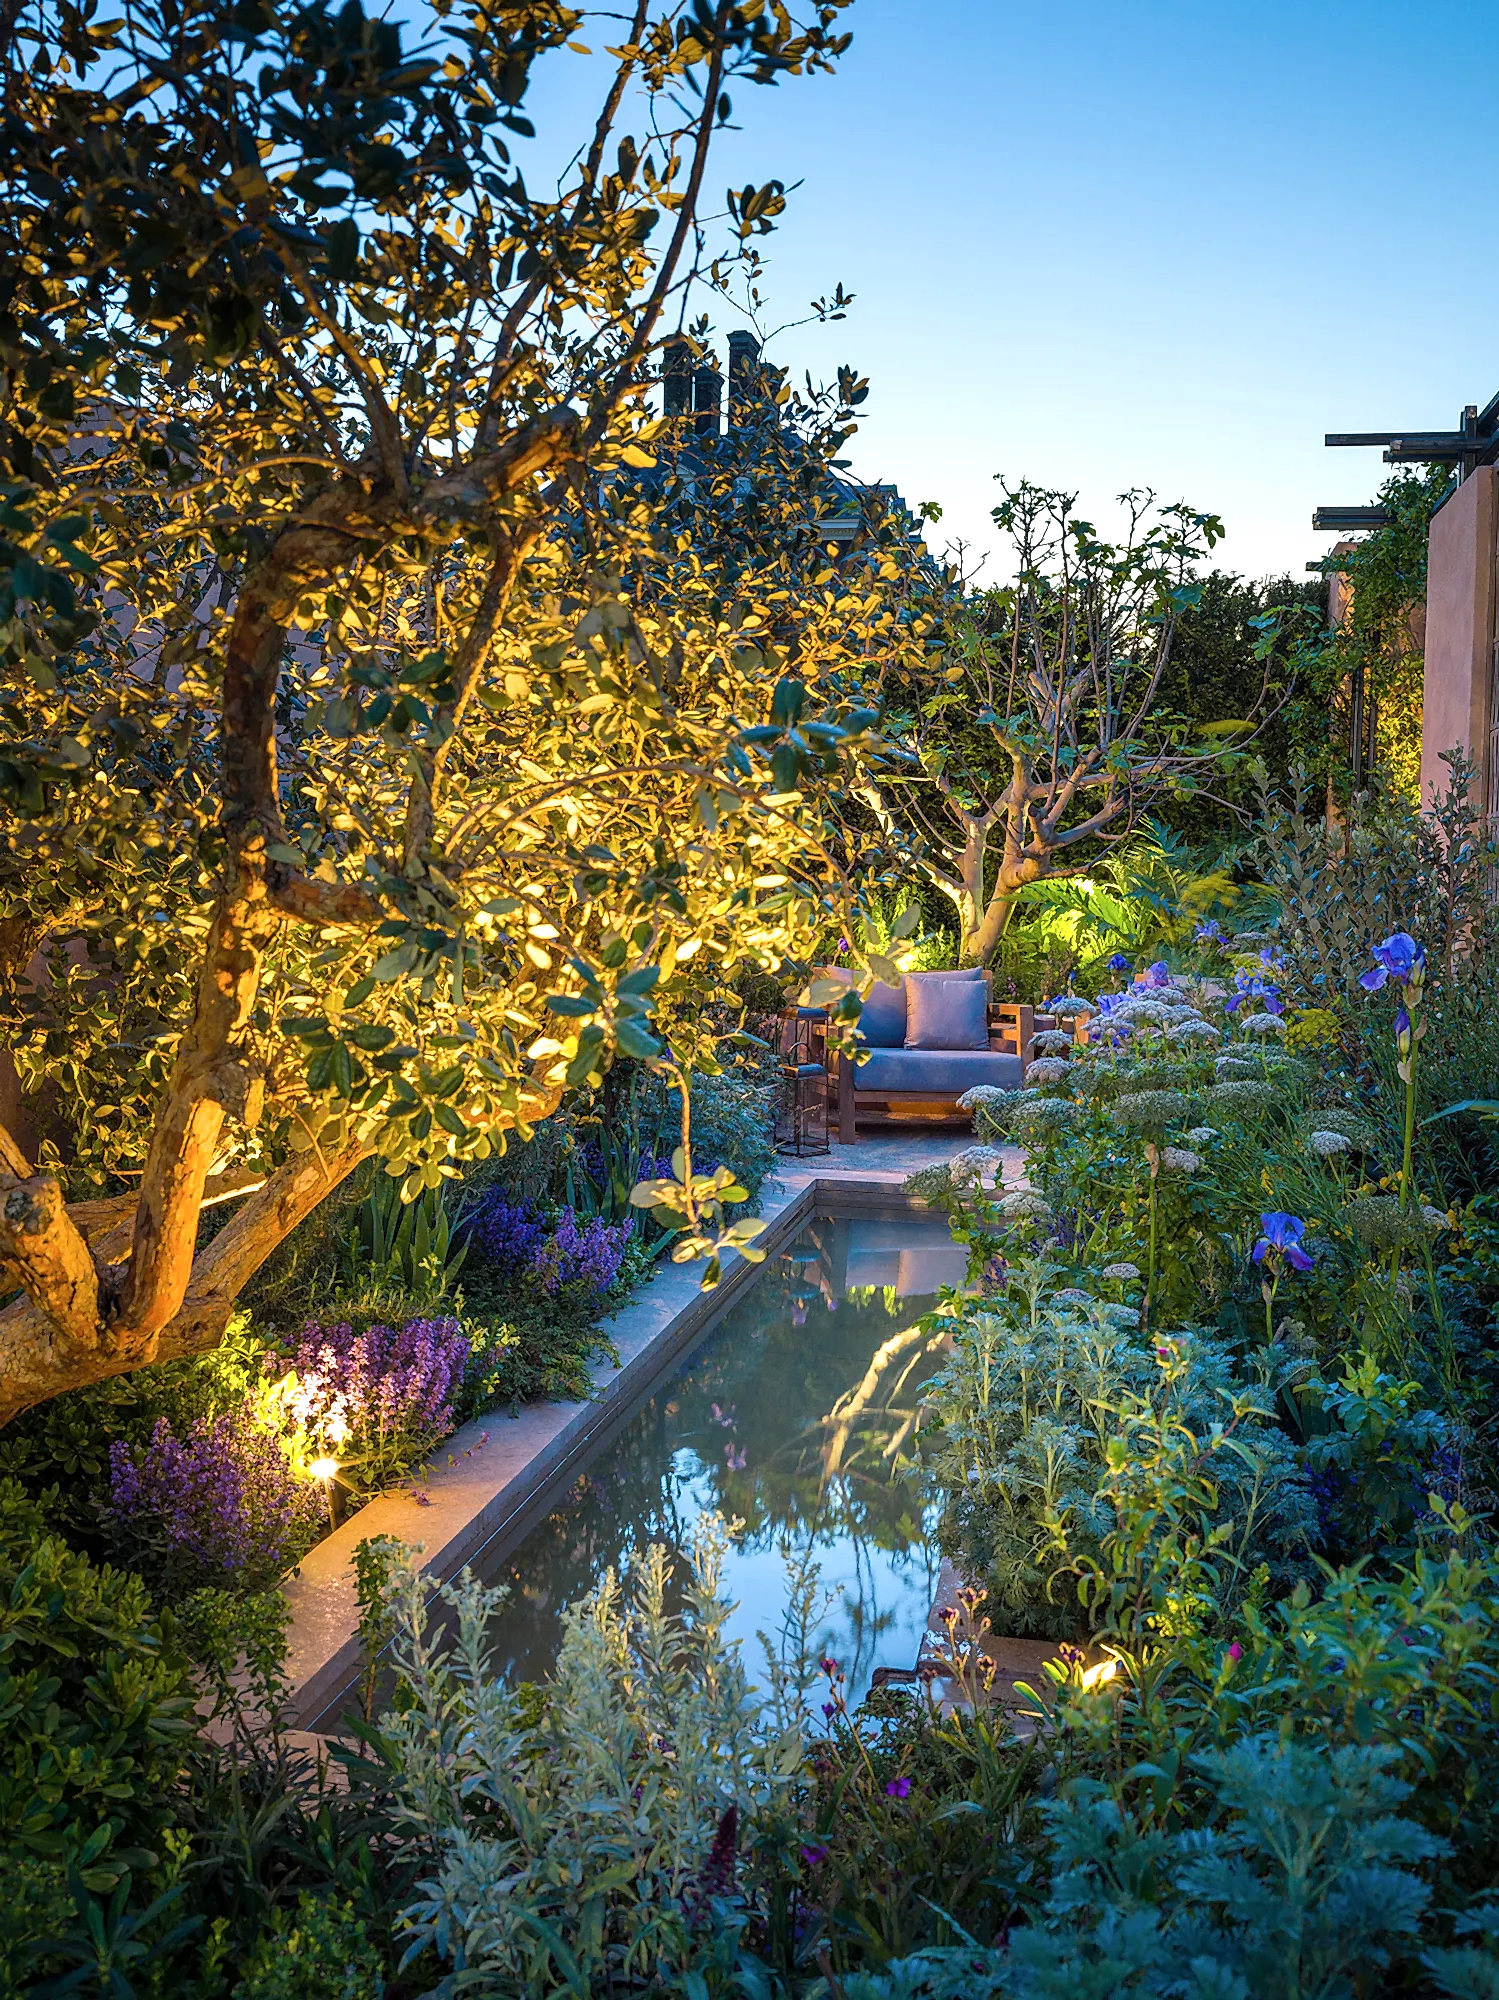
(707, 399)
(676, 379)
(744, 374)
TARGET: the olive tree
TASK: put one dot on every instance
(1038, 727)
(384, 746)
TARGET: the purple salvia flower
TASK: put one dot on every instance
(381, 1390)
(222, 1505)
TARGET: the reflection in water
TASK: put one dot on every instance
(797, 1416)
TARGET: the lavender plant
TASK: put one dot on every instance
(380, 1400)
(220, 1505)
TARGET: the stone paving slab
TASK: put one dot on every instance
(490, 1484)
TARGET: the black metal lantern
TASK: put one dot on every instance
(802, 1118)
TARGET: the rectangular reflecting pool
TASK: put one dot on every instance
(796, 1414)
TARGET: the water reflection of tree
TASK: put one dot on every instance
(798, 1418)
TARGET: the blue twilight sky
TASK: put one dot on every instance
(1143, 243)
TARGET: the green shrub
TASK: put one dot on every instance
(95, 1706)
(320, 1951)
(1305, 1880)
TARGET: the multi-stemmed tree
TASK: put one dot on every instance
(1040, 727)
(385, 735)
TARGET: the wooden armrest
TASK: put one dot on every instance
(1016, 1025)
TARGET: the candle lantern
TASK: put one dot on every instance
(802, 1117)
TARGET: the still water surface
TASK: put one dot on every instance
(797, 1416)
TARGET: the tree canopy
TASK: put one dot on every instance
(388, 737)
(1042, 725)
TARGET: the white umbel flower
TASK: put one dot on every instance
(983, 1093)
(1177, 1160)
(1120, 1274)
(976, 1163)
(1023, 1206)
(1051, 1042)
(1327, 1145)
(1200, 1135)
(1264, 1024)
(1194, 1031)
(1048, 1069)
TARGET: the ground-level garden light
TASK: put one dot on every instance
(325, 1471)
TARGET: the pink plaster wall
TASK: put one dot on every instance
(1459, 627)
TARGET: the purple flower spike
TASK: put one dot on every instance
(1282, 1239)
(1399, 957)
(814, 1856)
(898, 1788)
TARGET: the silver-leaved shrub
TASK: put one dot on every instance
(1076, 1458)
(584, 1837)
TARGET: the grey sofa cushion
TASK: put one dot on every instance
(946, 1013)
(939, 1072)
(882, 1025)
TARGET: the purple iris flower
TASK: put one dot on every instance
(1119, 962)
(1403, 1032)
(1282, 1238)
(1250, 987)
(1159, 974)
(1208, 932)
(1399, 957)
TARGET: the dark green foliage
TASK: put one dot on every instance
(95, 1705)
(320, 1951)
(525, 1351)
(1214, 676)
(869, 1875)
(1430, 874)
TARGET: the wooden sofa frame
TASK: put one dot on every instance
(1012, 1027)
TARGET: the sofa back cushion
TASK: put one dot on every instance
(947, 1011)
(882, 1025)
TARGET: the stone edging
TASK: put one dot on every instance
(491, 1483)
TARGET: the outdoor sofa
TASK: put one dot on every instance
(924, 1049)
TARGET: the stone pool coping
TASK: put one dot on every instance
(490, 1483)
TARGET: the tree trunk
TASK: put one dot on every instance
(1014, 872)
(41, 1355)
